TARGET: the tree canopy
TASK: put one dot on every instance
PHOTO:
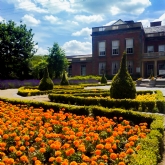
(57, 61)
(16, 49)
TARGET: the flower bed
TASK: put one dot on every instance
(30, 135)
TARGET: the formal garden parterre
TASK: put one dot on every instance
(83, 127)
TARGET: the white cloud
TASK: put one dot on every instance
(88, 19)
(41, 51)
(2, 19)
(75, 47)
(72, 22)
(52, 19)
(110, 23)
(27, 5)
(30, 20)
(161, 18)
(83, 32)
(145, 23)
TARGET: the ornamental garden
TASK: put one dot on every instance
(119, 126)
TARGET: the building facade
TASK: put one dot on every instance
(145, 49)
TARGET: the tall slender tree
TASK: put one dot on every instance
(16, 49)
(57, 61)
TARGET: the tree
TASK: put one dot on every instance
(103, 79)
(37, 64)
(16, 49)
(64, 80)
(122, 85)
(57, 61)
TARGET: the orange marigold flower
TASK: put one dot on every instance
(98, 152)
(57, 153)
(5, 136)
(73, 163)
(100, 146)
(51, 159)
(17, 138)
(12, 149)
(38, 139)
(31, 149)
(58, 159)
(38, 162)
(122, 155)
(83, 163)
(42, 150)
(22, 148)
(105, 157)
(121, 163)
(129, 151)
(18, 153)
(113, 156)
(114, 146)
(86, 158)
(24, 158)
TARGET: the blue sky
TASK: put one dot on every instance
(70, 22)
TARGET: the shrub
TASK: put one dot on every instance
(46, 82)
(103, 79)
(64, 80)
(122, 84)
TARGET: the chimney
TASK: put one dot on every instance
(158, 23)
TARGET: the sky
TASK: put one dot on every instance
(69, 22)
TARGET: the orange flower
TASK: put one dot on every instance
(42, 150)
(122, 155)
(22, 148)
(51, 159)
(121, 163)
(57, 153)
(18, 153)
(12, 149)
(31, 149)
(100, 146)
(58, 159)
(113, 156)
(24, 159)
(38, 139)
(73, 163)
(129, 151)
(5, 136)
(98, 152)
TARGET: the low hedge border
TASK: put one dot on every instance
(151, 147)
(144, 106)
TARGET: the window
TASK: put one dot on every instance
(102, 68)
(101, 48)
(115, 47)
(83, 70)
(129, 46)
(115, 27)
(161, 48)
(70, 71)
(101, 29)
(150, 49)
(115, 67)
(130, 67)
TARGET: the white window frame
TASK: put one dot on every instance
(102, 67)
(115, 67)
(102, 48)
(129, 45)
(115, 27)
(130, 67)
(115, 47)
(83, 70)
(150, 49)
(161, 48)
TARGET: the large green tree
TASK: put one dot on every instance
(16, 49)
(57, 61)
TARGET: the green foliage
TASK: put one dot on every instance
(37, 65)
(16, 49)
(85, 77)
(64, 80)
(46, 82)
(122, 84)
(57, 61)
(103, 79)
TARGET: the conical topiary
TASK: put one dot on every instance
(46, 82)
(64, 80)
(103, 79)
(122, 85)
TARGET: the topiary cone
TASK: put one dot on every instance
(122, 85)
(46, 82)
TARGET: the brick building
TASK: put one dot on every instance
(145, 48)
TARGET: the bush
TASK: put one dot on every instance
(46, 82)
(64, 80)
(103, 79)
(122, 84)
